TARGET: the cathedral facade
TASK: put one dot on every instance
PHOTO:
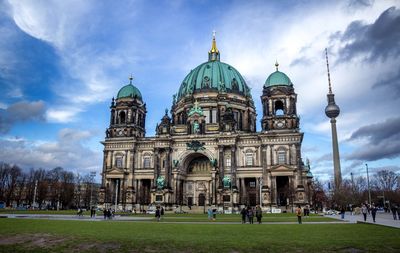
(207, 150)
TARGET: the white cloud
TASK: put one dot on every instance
(68, 151)
(62, 115)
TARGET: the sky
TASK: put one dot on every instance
(61, 62)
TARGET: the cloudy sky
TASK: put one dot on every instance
(61, 62)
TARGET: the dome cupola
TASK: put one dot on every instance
(213, 75)
(277, 78)
(129, 91)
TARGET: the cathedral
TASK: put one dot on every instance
(207, 150)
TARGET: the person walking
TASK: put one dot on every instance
(243, 212)
(398, 211)
(298, 214)
(364, 211)
(394, 211)
(342, 212)
(105, 213)
(258, 214)
(158, 213)
(209, 213)
(373, 211)
(250, 214)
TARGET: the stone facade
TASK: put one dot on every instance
(208, 152)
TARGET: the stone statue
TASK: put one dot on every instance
(226, 181)
(160, 182)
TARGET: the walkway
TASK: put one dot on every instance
(385, 219)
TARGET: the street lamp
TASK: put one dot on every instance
(369, 190)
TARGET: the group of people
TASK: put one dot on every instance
(108, 213)
(248, 214)
(369, 209)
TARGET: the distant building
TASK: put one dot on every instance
(207, 151)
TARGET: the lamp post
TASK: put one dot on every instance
(34, 195)
(369, 190)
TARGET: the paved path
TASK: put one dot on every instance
(149, 218)
(385, 219)
(381, 219)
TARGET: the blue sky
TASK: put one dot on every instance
(61, 62)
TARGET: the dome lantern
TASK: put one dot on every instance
(213, 54)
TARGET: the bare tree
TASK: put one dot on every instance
(387, 180)
(11, 183)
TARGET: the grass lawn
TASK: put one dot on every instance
(30, 235)
(171, 217)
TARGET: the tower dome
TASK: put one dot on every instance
(214, 75)
(129, 90)
(277, 78)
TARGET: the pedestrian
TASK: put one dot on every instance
(298, 214)
(342, 212)
(209, 213)
(158, 214)
(258, 214)
(364, 211)
(373, 211)
(105, 213)
(306, 211)
(243, 212)
(214, 213)
(394, 211)
(250, 214)
(398, 211)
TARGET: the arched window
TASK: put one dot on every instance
(122, 117)
(279, 108)
(146, 162)
(119, 162)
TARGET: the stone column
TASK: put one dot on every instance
(168, 167)
(233, 166)
(257, 191)
(156, 166)
(221, 163)
(103, 174)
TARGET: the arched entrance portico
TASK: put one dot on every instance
(198, 180)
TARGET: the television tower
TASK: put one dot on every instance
(332, 111)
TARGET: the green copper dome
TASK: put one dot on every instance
(277, 78)
(214, 75)
(129, 91)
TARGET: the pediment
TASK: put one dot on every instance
(115, 171)
(281, 167)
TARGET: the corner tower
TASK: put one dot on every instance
(279, 103)
(128, 113)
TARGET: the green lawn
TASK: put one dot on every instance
(171, 217)
(26, 235)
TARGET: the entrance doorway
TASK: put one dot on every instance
(251, 191)
(202, 199)
(283, 190)
(144, 196)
